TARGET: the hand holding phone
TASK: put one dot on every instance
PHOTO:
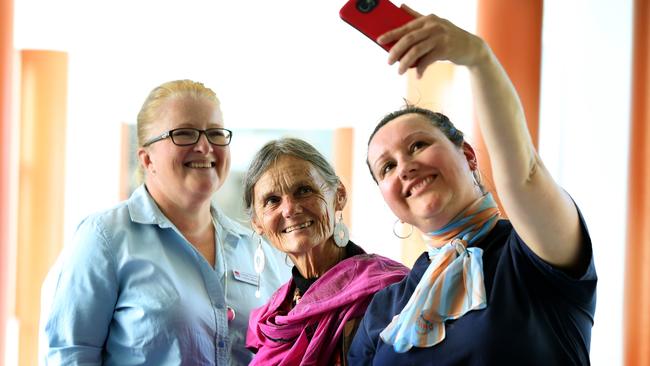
(374, 17)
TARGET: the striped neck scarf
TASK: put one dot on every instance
(452, 285)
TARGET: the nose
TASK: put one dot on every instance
(203, 145)
(408, 169)
(290, 207)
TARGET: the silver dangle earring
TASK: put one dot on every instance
(259, 262)
(402, 226)
(341, 234)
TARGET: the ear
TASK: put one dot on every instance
(341, 197)
(470, 155)
(259, 229)
(145, 159)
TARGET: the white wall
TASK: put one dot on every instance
(585, 116)
(295, 64)
(274, 64)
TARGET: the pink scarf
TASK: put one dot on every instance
(310, 333)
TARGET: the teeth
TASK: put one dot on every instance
(200, 164)
(296, 227)
(421, 185)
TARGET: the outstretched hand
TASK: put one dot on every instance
(428, 39)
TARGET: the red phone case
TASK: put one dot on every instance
(383, 17)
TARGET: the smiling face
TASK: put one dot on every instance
(182, 175)
(294, 207)
(424, 178)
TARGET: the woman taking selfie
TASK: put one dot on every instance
(489, 291)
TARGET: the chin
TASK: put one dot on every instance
(300, 246)
(204, 192)
(431, 204)
(211, 185)
(432, 212)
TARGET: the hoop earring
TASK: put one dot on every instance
(476, 174)
(341, 234)
(259, 261)
(399, 236)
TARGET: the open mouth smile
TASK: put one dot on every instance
(298, 227)
(419, 186)
(200, 164)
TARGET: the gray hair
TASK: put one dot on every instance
(272, 151)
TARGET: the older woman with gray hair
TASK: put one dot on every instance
(295, 199)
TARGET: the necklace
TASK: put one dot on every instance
(230, 312)
(296, 296)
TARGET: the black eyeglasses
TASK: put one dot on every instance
(190, 136)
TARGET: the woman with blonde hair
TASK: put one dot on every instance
(165, 277)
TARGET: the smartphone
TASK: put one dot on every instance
(374, 17)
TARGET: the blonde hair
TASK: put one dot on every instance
(149, 112)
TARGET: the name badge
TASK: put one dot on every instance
(245, 277)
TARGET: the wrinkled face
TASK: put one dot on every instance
(294, 207)
(424, 178)
(183, 174)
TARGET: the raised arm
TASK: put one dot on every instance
(541, 212)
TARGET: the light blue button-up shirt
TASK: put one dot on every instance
(131, 290)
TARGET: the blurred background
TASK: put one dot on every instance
(74, 74)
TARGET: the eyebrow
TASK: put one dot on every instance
(404, 139)
(193, 125)
(414, 133)
(378, 161)
(300, 183)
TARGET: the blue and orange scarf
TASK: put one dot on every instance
(452, 285)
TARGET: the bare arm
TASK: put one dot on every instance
(540, 211)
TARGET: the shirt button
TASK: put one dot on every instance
(221, 344)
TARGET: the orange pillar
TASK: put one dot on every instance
(126, 133)
(637, 275)
(343, 151)
(513, 29)
(432, 90)
(6, 113)
(40, 200)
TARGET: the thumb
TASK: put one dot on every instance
(410, 11)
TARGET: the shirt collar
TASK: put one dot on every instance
(144, 210)
(230, 225)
